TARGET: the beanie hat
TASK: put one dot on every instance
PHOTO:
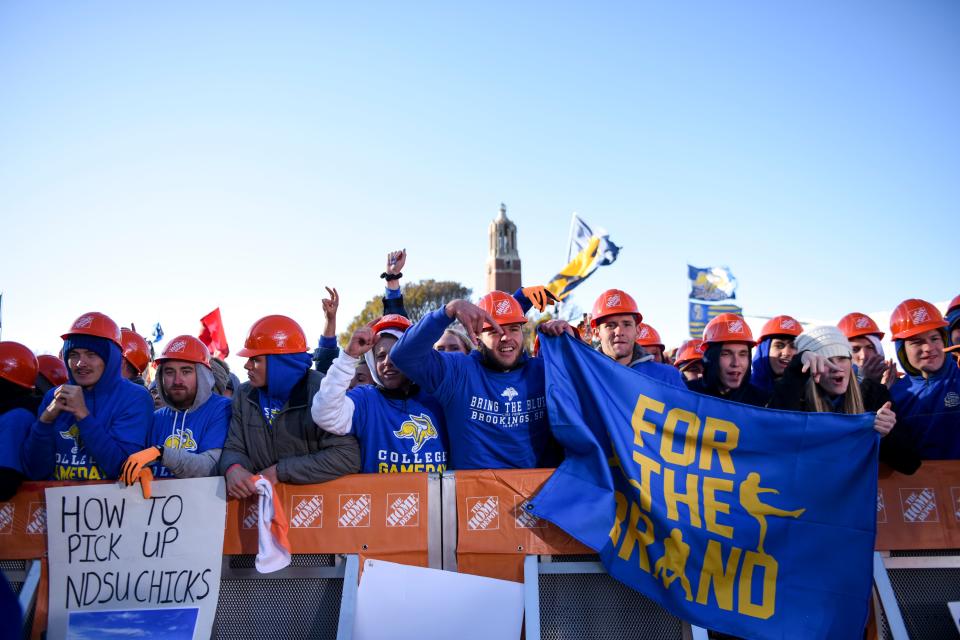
(825, 340)
(220, 377)
(100, 346)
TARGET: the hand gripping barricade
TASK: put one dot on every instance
(474, 522)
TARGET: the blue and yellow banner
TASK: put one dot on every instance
(749, 521)
(701, 314)
(588, 250)
(711, 283)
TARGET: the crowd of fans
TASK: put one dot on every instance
(455, 390)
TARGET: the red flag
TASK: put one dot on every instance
(213, 335)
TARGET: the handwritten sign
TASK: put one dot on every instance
(121, 564)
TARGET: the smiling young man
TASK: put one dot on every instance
(87, 428)
(188, 431)
(616, 322)
(726, 362)
(775, 350)
(927, 398)
(494, 398)
(866, 349)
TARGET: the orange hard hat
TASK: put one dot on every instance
(728, 327)
(18, 364)
(392, 321)
(274, 335)
(689, 351)
(914, 316)
(954, 304)
(780, 326)
(53, 369)
(856, 324)
(614, 302)
(503, 307)
(136, 351)
(95, 324)
(647, 336)
(187, 349)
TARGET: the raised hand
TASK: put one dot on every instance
(472, 318)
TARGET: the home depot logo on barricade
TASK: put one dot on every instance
(522, 518)
(250, 515)
(354, 510)
(6, 518)
(919, 505)
(484, 513)
(37, 521)
(306, 512)
(403, 509)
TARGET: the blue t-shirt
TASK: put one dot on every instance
(199, 430)
(406, 435)
(495, 420)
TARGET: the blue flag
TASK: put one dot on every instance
(589, 249)
(701, 314)
(711, 283)
(749, 521)
(157, 333)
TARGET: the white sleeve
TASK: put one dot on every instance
(331, 409)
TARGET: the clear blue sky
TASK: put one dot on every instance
(158, 161)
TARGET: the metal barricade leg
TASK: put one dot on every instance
(888, 599)
(348, 598)
(531, 597)
(28, 592)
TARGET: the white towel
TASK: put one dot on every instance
(274, 548)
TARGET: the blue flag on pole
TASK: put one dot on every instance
(701, 314)
(753, 522)
(711, 283)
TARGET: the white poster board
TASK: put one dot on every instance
(124, 566)
(401, 602)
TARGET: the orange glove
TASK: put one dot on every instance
(136, 465)
(146, 477)
(539, 296)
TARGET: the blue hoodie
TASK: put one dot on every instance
(928, 409)
(495, 419)
(14, 427)
(283, 373)
(761, 373)
(200, 428)
(96, 447)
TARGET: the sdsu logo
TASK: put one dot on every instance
(178, 346)
(503, 308)
(83, 323)
(181, 440)
(862, 323)
(951, 400)
(919, 315)
(419, 429)
(788, 323)
(73, 433)
(613, 301)
(509, 393)
(735, 327)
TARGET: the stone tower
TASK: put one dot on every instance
(503, 264)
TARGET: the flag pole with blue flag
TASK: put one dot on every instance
(587, 251)
(753, 522)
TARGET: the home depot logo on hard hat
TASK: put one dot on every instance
(644, 333)
(177, 346)
(83, 322)
(919, 315)
(503, 307)
(788, 323)
(735, 326)
(613, 301)
(862, 323)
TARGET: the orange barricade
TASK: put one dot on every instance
(374, 515)
(921, 511)
(494, 532)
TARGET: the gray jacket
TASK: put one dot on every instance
(303, 453)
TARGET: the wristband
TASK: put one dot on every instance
(389, 277)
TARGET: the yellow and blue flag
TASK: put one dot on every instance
(711, 283)
(701, 314)
(753, 522)
(588, 250)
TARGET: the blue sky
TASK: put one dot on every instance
(143, 624)
(158, 161)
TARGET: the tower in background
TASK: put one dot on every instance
(503, 263)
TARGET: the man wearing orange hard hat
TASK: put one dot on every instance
(616, 320)
(18, 408)
(927, 398)
(188, 432)
(271, 432)
(689, 359)
(774, 351)
(494, 399)
(868, 357)
(136, 355)
(649, 339)
(89, 427)
(726, 362)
